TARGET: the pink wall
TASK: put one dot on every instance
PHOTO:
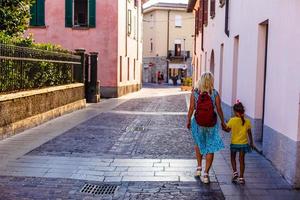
(102, 39)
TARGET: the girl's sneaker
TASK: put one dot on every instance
(205, 178)
(235, 177)
(198, 172)
(241, 181)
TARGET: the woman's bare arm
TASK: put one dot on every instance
(219, 110)
(191, 111)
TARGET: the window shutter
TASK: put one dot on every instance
(40, 13)
(197, 22)
(69, 13)
(205, 10)
(92, 13)
(200, 16)
(33, 14)
(212, 8)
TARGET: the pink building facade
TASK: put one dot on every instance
(252, 48)
(110, 28)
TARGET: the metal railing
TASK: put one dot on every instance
(23, 68)
(179, 55)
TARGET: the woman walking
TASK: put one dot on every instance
(206, 136)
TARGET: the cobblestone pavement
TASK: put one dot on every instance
(137, 142)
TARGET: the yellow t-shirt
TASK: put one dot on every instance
(238, 131)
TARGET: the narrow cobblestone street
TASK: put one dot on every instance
(137, 142)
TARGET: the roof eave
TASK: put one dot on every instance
(191, 5)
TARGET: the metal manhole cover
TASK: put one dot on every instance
(99, 189)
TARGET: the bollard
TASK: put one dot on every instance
(94, 85)
(79, 69)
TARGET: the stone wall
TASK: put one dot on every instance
(114, 92)
(27, 109)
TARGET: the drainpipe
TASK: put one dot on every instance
(168, 44)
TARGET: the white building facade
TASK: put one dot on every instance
(252, 48)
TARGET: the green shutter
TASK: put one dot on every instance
(69, 13)
(40, 13)
(92, 13)
(33, 14)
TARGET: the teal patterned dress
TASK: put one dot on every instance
(207, 139)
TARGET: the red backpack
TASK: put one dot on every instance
(205, 114)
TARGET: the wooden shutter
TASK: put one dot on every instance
(40, 13)
(200, 13)
(92, 13)
(69, 13)
(197, 22)
(33, 14)
(205, 10)
(212, 8)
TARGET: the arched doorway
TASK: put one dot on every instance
(212, 62)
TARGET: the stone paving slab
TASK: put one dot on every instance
(115, 169)
(12, 188)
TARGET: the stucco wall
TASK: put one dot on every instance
(158, 31)
(282, 81)
(102, 39)
(131, 49)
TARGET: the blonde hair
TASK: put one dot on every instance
(206, 82)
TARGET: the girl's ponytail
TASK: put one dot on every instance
(243, 119)
(239, 108)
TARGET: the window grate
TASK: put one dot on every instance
(99, 189)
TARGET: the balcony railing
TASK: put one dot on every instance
(182, 55)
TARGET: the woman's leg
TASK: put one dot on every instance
(242, 164)
(198, 156)
(233, 162)
(209, 160)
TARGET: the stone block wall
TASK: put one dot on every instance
(22, 110)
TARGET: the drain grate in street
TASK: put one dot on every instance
(139, 128)
(99, 189)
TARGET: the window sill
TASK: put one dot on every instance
(178, 26)
(38, 26)
(80, 28)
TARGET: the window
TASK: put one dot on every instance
(151, 45)
(212, 8)
(177, 49)
(136, 3)
(227, 18)
(151, 21)
(37, 12)
(178, 21)
(205, 10)
(222, 3)
(80, 13)
(129, 27)
(197, 22)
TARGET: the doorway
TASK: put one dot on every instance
(261, 74)
(235, 68)
(177, 49)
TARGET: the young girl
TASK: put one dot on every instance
(240, 128)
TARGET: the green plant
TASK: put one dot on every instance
(14, 16)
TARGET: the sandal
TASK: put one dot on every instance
(205, 178)
(241, 181)
(235, 177)
(198, 172)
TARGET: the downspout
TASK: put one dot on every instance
(126, 29)
(168, 44)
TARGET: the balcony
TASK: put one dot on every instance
(178, 56)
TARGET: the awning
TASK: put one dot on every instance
(177, 66)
